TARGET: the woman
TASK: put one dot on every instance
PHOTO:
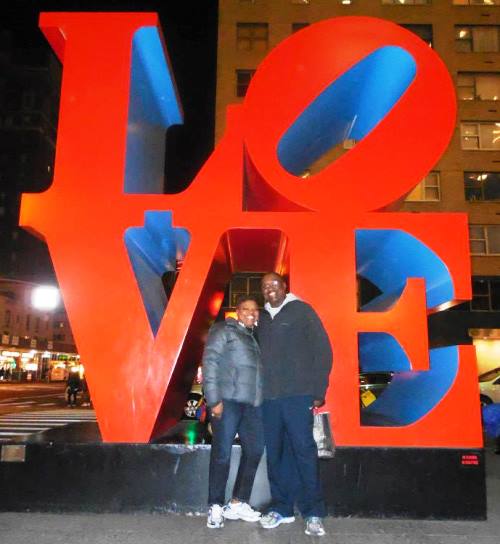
(233, 390)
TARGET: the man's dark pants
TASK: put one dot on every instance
(246, 420)
(292, 456)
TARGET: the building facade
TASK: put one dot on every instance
(30, 78)
(33, 342)
(466, 35)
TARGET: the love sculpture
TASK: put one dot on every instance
(112, 234)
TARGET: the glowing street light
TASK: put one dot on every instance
(45, 297)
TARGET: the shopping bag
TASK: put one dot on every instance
(323, 435)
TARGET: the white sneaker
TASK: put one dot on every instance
(240, 510)
(273, 519)
(315, 527)
(215, 519)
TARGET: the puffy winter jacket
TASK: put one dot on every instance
(231, 364)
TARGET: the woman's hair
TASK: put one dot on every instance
(243, 298)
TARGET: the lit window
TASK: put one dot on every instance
(478, 86)
(480, 136)
(476, 2)
(428, 190)
(407, 2)
(484, 239)
(477, 39)
(243, 78)
(252, 36)
(482, 185)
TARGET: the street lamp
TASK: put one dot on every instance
(45, 297)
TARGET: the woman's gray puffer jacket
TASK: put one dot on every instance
(231, 364)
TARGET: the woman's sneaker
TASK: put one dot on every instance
(240, 510)
(314, 526)
(273, 519)
(215, 519)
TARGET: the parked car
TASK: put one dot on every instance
(489, 387)
(371, 385)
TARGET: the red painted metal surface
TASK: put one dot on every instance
(138, 382)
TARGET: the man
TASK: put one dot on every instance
(232, 380)
(74, 386)
(296, 362)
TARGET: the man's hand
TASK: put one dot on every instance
(318, 403)
(217, 410)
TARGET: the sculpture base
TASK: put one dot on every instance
(364, 482)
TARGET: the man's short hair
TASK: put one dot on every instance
(276, 275)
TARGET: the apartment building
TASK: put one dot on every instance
(466, 35)
(30, 79)
(33, 339)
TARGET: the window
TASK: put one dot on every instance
(484, 239)
(298, 26)
(28, 320)
(477, 86)
(485, 295)
(428, 190)
(7, 318)
(245, 285)
(252, 36)
(424, 32)
(477, 39)
(482, 185)
(483, 135)
(28, 99)
(243, 78)
(407, 2)
(476, 2)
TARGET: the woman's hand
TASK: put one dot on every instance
(217, 410)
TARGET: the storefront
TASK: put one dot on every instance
(34, 365)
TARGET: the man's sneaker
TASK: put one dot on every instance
(241, 510)
(273, 519)
(314, 526)
(215, 519)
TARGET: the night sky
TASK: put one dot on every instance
(190, 31)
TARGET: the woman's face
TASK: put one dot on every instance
(248, 313)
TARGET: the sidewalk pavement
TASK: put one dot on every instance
(36, 528)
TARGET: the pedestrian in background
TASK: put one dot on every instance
(74, 385)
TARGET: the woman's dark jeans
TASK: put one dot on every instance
(246, 421)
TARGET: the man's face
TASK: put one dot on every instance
(248, 313)
(273, 290)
